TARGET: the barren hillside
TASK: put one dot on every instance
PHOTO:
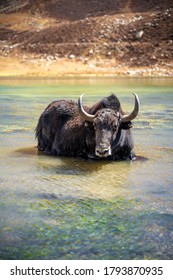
(96, 34)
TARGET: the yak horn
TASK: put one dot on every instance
(83, 113)
(134, 113)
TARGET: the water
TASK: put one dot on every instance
(71, 208)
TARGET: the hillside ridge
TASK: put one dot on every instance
(116, 34)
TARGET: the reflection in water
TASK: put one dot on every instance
(71, 208)
(84, 178)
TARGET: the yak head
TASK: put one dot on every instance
(106, 123)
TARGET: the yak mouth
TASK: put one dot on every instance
(103, 152)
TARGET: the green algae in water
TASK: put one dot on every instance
(90, 229)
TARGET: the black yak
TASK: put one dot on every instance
(102, 131)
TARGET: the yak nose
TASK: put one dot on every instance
(103, 152)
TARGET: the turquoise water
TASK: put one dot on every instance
(70, 208)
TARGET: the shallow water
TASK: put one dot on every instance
(70, 208)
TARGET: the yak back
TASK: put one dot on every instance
(54, 116)
(59, 123)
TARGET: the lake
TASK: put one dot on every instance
(72, 208)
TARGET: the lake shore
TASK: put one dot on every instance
(31, 67)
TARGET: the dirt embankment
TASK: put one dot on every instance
(63, 37)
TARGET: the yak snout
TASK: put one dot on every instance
(103, 152)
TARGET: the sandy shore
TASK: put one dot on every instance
(24, 67)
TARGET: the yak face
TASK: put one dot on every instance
(106, 124)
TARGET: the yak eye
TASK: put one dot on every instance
(89, 125)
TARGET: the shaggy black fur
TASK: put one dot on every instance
(62, 131)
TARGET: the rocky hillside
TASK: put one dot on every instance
(133, 33)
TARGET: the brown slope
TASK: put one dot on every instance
(134, 33)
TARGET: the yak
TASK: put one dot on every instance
(67, 128)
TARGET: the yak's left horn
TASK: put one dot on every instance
(134, 113)
(84, 114)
